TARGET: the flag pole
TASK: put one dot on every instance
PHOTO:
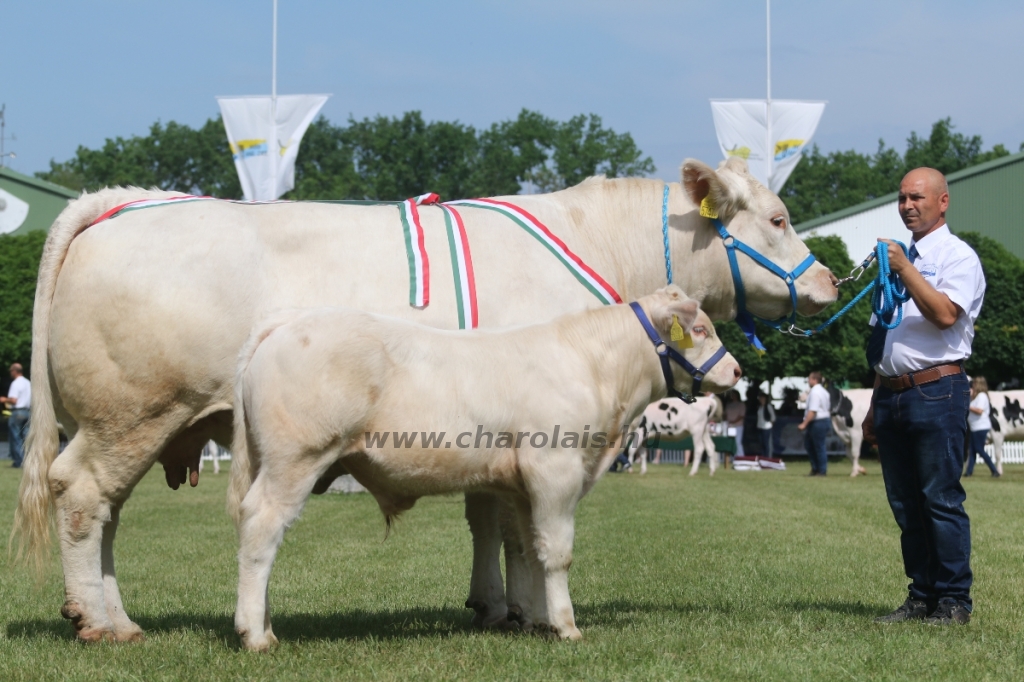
(769, 149)
(272, 148)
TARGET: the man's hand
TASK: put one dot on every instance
(802, 425)
(933, 304)
(898, 261)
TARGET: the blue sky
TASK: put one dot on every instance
(76, 73)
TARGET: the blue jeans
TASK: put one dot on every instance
(766, 442)
(921, 433)
(17, 425)
(814, 443)
(978, 448)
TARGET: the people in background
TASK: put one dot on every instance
(816, 425)
(735, 414)
(979, 424)
(765, 422)
(19, 399)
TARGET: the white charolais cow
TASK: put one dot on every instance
(139, 318)
(317, 387)
(674, 418)
(847, 420)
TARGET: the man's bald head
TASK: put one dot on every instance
(15, 369)
(923, 201)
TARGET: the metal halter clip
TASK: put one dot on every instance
(856, 273)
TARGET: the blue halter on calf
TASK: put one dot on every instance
(667, 354)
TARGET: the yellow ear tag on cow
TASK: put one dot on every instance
(708, 208)
(679, 336)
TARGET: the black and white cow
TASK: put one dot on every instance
(674, 418)
(848, 409)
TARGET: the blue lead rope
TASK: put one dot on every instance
(889, 293)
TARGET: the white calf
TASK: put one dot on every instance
(675, 418)
(331, 385)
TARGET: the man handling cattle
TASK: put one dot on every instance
(919, 405)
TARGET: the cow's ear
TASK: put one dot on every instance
(670, 304)
(712, 192)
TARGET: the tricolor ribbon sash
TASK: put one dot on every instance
(580, 270)
(462, 267)
(419, 264)
(147, 203)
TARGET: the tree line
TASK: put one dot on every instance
(377, 158)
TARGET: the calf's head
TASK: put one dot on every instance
(757, 217)
(669, 305)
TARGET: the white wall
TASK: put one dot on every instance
(862, 230)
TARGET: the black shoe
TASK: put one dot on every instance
(949, 612)
(912, 609)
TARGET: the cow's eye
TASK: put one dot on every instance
(699, 330)
(779, 222)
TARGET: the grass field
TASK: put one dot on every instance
(744, 576)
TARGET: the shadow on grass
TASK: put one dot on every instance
(842, 607)
(356, 624)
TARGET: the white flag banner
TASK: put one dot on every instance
(265, 150)
(741, 126)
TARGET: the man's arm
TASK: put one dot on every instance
(933, 304)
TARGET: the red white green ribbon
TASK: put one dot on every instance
(580, 270)
(419, 264)
(146, 203)
(462, 268)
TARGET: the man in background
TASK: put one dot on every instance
(816, 425)
(18, 399)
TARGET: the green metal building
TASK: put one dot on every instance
(27, 203)
(988, 199)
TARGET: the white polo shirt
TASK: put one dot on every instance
(21, 391)
(818, 401)
(952, 267)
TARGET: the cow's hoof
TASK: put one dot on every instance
(265, 642)
(571, 634)
(83, 630)
(129, 634)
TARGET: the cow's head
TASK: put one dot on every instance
(669, 304)
(756, 216)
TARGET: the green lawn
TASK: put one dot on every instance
(744, 576)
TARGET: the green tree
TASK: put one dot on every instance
(825, 183)
(375, 158)
(999, 331)
(19, 267)
(172, 157)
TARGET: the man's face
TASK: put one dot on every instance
(921, 204)
(812, 381)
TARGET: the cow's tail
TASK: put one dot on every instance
(245, 463)
(31, 531)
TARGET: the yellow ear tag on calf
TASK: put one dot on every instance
(708, 208)
(678, 335)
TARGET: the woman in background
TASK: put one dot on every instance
(979, 424)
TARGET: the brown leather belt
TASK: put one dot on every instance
(924, 376)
